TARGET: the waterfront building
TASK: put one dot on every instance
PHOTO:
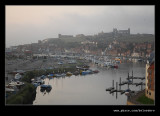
(150, 77)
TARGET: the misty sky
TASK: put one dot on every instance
(28, 24)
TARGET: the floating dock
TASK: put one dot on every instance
(142, 78)
(109, 89)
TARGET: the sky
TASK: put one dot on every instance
(26, 24)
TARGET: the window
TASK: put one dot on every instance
(149, 93)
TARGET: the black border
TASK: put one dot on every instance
(104, 108)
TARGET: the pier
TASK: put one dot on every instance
(128, 82)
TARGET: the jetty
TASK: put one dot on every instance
(128, 82)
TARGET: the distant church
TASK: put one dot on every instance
(121, 32)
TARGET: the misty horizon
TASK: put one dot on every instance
(28, 24)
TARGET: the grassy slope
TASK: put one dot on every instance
(145, 100)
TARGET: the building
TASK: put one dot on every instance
(80, 35)
(64, 36)
(150, 77)
(121, 32)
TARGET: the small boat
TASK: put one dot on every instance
(50, 75)
(9, 90)
(115, 66)
(63, 74)
(17, 76)
(84, 72)
(118, 60)
(107, 64)
(127, 91)
(69, 74)
(39, 81)
(57, 75)
(60, 63)
(35, 84)
(43, 77)
(85, 66)
(46, 86)
(90, 71)
(76, 73)
(96, 71)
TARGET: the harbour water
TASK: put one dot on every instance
(90, 89)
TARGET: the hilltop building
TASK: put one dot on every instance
(121, 32)
(64, 36)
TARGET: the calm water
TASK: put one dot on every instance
(90, 89)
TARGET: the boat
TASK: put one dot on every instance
(76, 73)
(9, 90)
(39, 81)
(85, 66)
(127, 91)
(140, 60)
(35, 84)
(107, 64)
(43, 77)
(50, 75)
(118, 60)
(16, 83)
(57, 75)
(95, 71)
(63, 74)
(72, 62)
(46, 86)
(84, 72)
(114, 66)
(69, 74)
(60, 63)
(17, 76)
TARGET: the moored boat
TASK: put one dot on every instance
(17, 76)
(96, 71)
(46, 86)
(68, 74)
(76, 73)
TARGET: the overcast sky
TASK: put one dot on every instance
(28, 24)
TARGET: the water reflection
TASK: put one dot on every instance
(89, 89)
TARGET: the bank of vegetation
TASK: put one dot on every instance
(145, 100)
(25, 95)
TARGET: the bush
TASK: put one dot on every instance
(145, 100)
(24, 96)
